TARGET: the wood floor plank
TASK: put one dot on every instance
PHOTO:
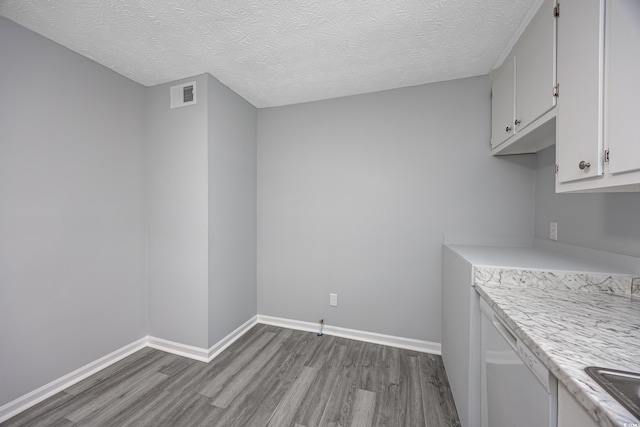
(43, 414)
(135, 398)
(171, 407)
(415, 409)
(318, 357)
(385, 384)
(299, 347)
(196, 410)
(386, 404)
(369, 373)
(270, 376)
(191, 377)
(197, 375)
(400, 393)
(305, 345)
(62, 423)
(363, 408)
(87, 390)
(439, 408)
(130, 365)
(288, 406)
(392, 356)
(257, 402)
(115, 397)
(352, 360)
(311, 409)
(338, 410)
(142, 415)
(178, 365)
(244, 377)
(132, 405)
(219, 381)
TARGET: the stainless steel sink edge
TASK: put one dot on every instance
(622, 385)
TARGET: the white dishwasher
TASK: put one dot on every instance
(517, 389)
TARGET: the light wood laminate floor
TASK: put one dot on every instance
(269, 377)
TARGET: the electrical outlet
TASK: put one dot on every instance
(553, 231)
(333, 300)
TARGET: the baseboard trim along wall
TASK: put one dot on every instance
(36, 396)
(184, 350)
(225, 342)
(204, 355)
(354, 334)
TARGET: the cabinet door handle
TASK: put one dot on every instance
(517, 122)
(584, 165)
(507, 129)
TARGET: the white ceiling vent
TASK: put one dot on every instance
(184, 94)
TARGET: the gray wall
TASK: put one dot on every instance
(355, 195)
(72, 250)
(201, 189)
(177, 191)
(232, 210)
(604, 221)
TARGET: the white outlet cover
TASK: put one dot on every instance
(553, 231)
(333, 300)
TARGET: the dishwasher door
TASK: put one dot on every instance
(512, 395)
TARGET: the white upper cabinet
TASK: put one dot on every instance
(535, 66)
(580, 120)
(523, 88)
(623, 90)
(503, 102)
(597, 145)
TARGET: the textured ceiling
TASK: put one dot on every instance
(278, 52)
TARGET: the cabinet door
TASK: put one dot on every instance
(535, 69)
(570, 412)
(503, 102)
(580, 117)
(623, 85)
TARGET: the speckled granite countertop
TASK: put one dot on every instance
(571, 321)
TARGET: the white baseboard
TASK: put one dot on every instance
(179, 349)
(198, 353)
(225, 342)
(36, 396)
(205, 355)
(354, 334)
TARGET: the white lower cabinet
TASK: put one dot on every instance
(570, 412)
(461, 336)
